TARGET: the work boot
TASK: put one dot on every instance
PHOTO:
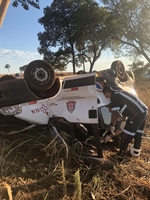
(122, 151)
(135, 152)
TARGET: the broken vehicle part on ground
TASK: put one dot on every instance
(77, 101)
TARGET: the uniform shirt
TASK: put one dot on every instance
(129, 105)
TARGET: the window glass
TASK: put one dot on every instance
(106, 115)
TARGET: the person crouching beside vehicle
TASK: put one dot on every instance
(135, 110)
(114, 134)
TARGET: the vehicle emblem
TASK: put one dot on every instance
(71, 106)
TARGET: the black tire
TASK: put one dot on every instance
(6, 78)
(50, 92)
(119, 69)
(39, 75)
(81, 72)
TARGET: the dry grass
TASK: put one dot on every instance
(143, 87)
(36, 173)
(31, 169)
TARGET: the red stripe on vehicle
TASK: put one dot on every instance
(32, 102)
(75, 88)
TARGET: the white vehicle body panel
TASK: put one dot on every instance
(72, 104)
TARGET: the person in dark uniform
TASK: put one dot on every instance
(135, 112)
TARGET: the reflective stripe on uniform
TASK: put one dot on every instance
(128, 132)
(123, 108)
(115, 108)
(140, 131)
(141, 108)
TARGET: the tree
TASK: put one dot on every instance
(7, 66)
(131, 26)
(25, 3)
(139, 68)
(58, 21)
(75, 28)
(94, 35)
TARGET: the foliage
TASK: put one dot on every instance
(78, 31)
(75, 30)
(131, 26)
(77, 181)
(94, 37)
(7, 66)
(25, 3)
(58, 24)
(139, 68)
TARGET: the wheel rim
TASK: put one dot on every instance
(120, 70)
(40, 75)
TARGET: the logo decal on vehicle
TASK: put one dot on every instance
(43, 109)
(71, 106)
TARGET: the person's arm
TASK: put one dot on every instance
(123, 123)
(117, 132)
(113, 118)
(113, 121)
(112, 127)
(123, 118)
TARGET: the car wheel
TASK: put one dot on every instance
(119, 69)
(39, 75)
(50, 92)
(6, 78)
(81, 72)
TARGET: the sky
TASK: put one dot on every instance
(19, 41)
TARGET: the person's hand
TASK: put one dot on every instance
(112, 129)
(122, 125)
(107, 138)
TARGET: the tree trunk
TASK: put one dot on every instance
(73, 59)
